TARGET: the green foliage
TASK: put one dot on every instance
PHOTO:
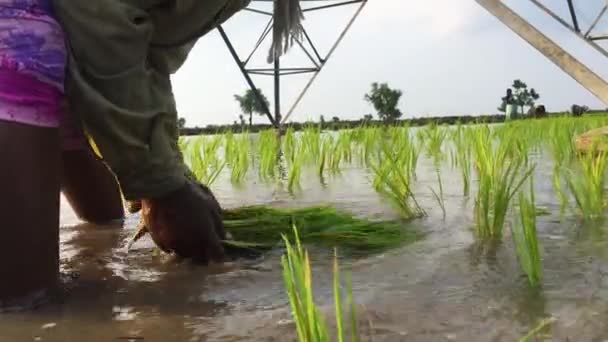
(385, 100)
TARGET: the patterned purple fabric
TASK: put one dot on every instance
(32, 63)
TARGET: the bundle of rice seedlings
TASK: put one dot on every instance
(264, 227)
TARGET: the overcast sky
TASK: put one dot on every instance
(449, 57)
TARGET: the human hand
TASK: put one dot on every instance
(187, 222)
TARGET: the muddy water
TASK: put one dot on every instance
(443, 288)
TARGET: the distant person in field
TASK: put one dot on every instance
(74, 70)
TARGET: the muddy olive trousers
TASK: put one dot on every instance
(122, 53)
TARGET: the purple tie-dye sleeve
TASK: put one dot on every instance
(32, 63)
(31, 41)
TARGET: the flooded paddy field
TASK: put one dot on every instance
(448, 286)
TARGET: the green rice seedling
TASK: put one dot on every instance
(311, 325)
(297, 279)
(239, 158)
(340, 152)
(311, 143)
(183, 143)
(229, 147)
(461, 156)
(295, 171)
(435, 137)
(499, 178)
(526, 238)
(354, 326)
(517, 145)
(338, 299)
(289, 143)
(539, 327)
(366, 139)
(393, 178)
(562, 152)
(268, 150)
(318, 225)
(323, 157)
(421, 137)
(197, 162)
(203, 159)
(406, 149)
(587, 185)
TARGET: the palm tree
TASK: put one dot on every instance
(249, 104)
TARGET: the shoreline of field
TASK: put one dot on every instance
(350, 124)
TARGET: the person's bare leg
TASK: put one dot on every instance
(90, 187)
(29, 209)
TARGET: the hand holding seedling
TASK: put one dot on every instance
(186, 222)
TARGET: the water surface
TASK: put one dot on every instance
(445, 287)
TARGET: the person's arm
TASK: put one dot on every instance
(124, 98)
(90, 187)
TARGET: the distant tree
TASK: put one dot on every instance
(335, 119)
(249, 103)
(540, 111)
(368, 117)
(181, 123)
(242, 120)
(577, 110)
(520, 96)
(385, 100)
(322, 120)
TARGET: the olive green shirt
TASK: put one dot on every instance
(122, 53)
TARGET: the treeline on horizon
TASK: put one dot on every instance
(349, 124)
